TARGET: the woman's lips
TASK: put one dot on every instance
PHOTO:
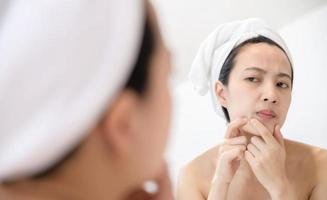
(266, 114)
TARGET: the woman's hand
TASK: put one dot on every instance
(164, 189)
(229, 155)
(267, 156)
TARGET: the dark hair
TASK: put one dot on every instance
(137, 82)
(230, 62)
(139, 77)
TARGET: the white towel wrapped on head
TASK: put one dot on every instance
(61, 64)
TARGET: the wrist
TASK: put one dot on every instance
(218, 189)
(220, 180)
(285, 191)
(220, 183)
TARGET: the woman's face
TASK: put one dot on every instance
(260, 85)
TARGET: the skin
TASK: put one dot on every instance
(111, 162)
(255, 161)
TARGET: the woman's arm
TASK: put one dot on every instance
(228, 159)
(189, 181)
(218, 190)
(187, 186)
(320, 190)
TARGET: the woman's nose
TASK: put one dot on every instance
(270, 94)
(270, 99)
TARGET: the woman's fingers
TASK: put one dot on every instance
(229, 157)
(233, 127)
(258, 142)
(233, 143)
(230, 153)
(249, 158)
(253, 150)
(250, 129)
(278, 135)
(224, 148)
(263, 131)
(235, 140)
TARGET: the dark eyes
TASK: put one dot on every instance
(252, 79)
(282, 85)
(255, 80)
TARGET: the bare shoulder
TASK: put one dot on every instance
(320, 189)
(302, 150)
(313, 162)
(313, 157)
(320, 160)
(204, 164)
(195, 175)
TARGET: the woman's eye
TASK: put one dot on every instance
(282, 85)
(252, 79)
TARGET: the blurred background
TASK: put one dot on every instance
(303, 25)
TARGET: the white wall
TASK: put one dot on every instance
(196, 127)
(307, 40)
(185, 23)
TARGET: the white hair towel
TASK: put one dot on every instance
(61, 64)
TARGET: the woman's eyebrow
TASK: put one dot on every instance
(264, 72)
(284, 75)
(255, 69)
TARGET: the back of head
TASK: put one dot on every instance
(61, 65)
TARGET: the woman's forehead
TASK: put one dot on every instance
(267, 57)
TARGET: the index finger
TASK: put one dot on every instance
(263, 131)
(233, 127)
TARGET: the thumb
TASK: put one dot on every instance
(278, 135)
(233, 154)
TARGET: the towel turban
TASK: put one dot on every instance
(61, 65)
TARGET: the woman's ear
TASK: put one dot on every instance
(221, 93)
(117, 125)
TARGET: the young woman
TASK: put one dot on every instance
(73, 125)
(249, 70)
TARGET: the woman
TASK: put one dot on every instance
(85, 105)
(249, 71)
